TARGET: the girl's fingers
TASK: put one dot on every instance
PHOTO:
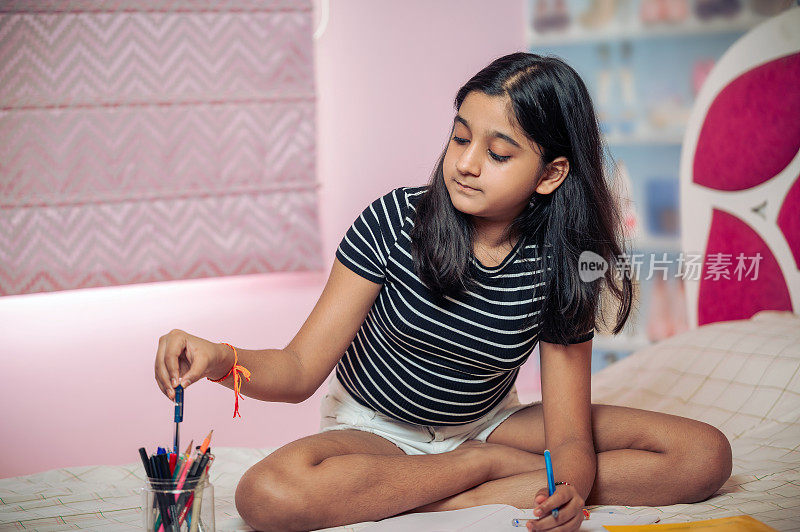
(571, 525)
(183, 366)
(175, 344)
(195, 374)
(196, 370)
(556, 500)
(160, 370)
(566, 513)
(574, 523)
(180, 359)
(538, 499)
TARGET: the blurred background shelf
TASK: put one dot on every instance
(657, 245)
(643, 62)
(633, 28)
(648, 138)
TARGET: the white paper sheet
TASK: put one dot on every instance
(491, 518)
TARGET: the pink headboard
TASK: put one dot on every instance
(740, 192)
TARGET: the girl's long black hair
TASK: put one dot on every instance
(553, 107)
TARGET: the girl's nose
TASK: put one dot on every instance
(468, 162)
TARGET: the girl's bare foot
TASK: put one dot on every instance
(506, 461)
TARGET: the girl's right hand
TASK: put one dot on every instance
(183, 359)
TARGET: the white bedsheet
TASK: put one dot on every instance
(743, 377)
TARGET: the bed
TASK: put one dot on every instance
(742, 376)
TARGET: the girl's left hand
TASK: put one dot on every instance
(570, 510)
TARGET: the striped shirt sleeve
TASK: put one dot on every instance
(585, 337)
(365, 246)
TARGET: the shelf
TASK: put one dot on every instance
(647, 77)
(616, 31)
(648, 139)
(657, 244)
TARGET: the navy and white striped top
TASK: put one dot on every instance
(430, 363)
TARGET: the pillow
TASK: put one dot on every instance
(734, 375)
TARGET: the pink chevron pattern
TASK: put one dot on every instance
(147, 141)
(91, 58)
(162, 6)
(71, 156)
(145, 241)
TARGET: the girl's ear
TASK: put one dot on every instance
(554, 173)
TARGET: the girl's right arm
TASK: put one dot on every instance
(291, 374)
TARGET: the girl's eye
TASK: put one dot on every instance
(499, 158)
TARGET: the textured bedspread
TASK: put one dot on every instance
(743, 377)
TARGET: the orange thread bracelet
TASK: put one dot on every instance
(237, 379)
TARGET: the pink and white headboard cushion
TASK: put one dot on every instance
(739, 178)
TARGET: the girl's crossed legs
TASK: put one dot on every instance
(347, 476)
(644, 458)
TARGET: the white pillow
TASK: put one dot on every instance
(734, 375)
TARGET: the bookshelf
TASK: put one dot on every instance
(643, 62)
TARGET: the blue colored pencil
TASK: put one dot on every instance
(551, 482)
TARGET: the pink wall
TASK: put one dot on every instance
(77, 366)
(387, 73)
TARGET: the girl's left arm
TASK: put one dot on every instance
(566, 403)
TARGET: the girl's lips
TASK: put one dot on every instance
(465, 188)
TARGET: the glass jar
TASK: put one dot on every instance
(189, 508)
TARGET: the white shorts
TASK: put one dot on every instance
(340, 411)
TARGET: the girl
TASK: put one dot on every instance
(437, 296)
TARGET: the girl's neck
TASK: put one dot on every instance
(491, 235)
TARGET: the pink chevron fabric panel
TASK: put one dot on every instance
(727, 297)
(753, 142)
(106, 244)
(171, 6)
(185, 51)
(149, 141)
(79, 155)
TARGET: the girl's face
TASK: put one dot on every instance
(491, 168)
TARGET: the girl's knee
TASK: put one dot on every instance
(707, 460)
(720, 458)
(268, 500)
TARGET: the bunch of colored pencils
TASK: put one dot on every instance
(177, 481)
